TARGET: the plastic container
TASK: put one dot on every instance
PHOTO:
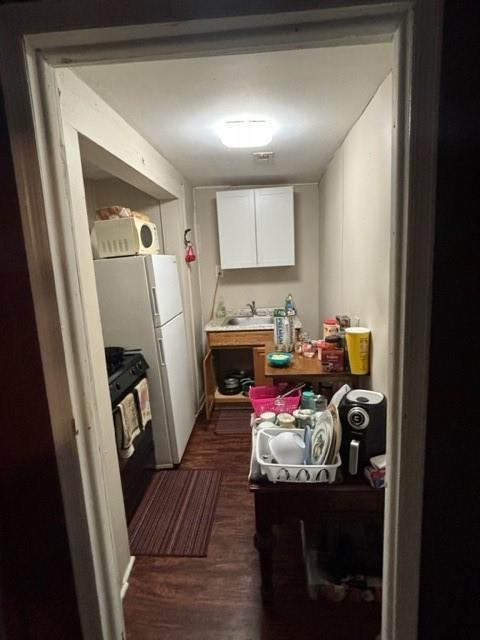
(263, 398)
(358, 346)
(321, 402)
(306, 473)
(330, 327)
(333, 360)
(309, 349)
(221, 311)
(308, 400)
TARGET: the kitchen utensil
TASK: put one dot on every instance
(358, 346)
(246, 383)
(290, 391)
(268, 416)
(263, 398)
(321, 438)
(286, 420)
(337, 429)
(280, 405)
(307, 438)
(287, 448)
(230, 386)
(279, 358)
(304, 417)
(300, 473)
(321, 402)
(363, 415)
(308, 400)
(267, 424)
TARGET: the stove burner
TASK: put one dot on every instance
(114, 357)
(125, 369)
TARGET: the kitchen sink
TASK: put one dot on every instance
(249, 321)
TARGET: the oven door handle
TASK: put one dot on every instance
(160, 351)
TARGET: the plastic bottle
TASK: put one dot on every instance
(289, 304)
(308, 400)
(221, 311)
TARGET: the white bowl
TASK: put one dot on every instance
(287, 448)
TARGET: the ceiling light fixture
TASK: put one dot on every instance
(245, 133)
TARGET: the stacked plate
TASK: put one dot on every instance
(326, 437)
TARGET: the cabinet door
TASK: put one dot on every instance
(209, 383)
(259, 367)
(236, 229)
(275, 227)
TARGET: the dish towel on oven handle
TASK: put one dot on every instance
(143, 400)
(126, 425)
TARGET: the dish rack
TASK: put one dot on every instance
(291, 472)
(263, 398)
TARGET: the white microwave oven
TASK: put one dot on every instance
(124, 237)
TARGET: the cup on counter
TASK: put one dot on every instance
(286, 420)
(358, 346)
(279, 405)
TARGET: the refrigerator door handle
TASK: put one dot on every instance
(154, 302)
(160, 349)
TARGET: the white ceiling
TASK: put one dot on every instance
(313, 96)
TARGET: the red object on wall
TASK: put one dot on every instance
(190, 255)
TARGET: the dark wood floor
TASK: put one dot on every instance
(217, 597)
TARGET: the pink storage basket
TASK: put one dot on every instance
(263, 398)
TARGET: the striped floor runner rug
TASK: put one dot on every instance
(175, 516)
(232, 420)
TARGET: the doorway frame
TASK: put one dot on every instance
(34, 42)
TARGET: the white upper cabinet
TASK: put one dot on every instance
(274, 224)
(256, 227)
(236, 229)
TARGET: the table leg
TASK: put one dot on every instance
(265, 544)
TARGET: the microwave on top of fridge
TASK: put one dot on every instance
(124, 237)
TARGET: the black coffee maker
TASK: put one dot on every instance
(363, 415)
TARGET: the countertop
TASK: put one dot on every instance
(219, 324)
(305, 367)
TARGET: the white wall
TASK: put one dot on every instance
(130, 157)
(355, 228)
(268, 286)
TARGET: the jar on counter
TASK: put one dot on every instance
(308, 400)
(309, 349)
(322, 345)
(321, 402)
(330, 327)
(333, 355)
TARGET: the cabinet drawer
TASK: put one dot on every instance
(239, 338)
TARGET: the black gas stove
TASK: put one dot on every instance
(125, 370)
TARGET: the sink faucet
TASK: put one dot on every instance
(253, 308)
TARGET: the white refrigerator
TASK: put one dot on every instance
(141, 308)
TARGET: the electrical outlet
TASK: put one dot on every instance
(218, 271)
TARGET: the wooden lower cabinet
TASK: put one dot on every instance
(210, 383)
(218, 340)
(259, 366)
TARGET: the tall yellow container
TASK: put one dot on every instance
(358, 346)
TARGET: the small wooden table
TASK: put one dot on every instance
(312, 503)
(308, 370)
